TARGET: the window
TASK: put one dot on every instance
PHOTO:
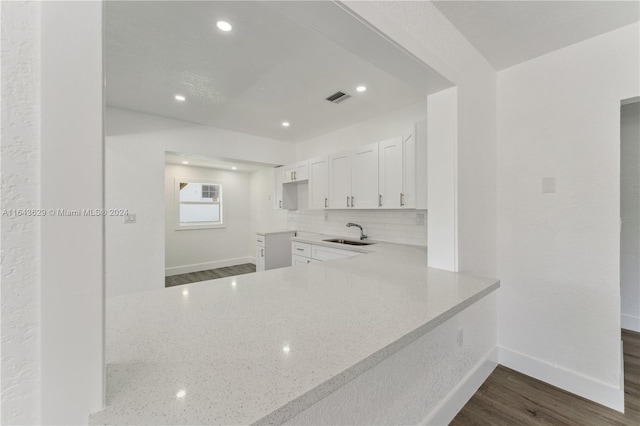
(199, 204)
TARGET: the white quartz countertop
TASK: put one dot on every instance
(276, 231)
(261, 348)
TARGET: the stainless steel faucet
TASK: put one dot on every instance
(362, 236)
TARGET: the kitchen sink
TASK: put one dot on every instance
(348, 242)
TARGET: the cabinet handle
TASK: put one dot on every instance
(379, 200)
(308, 261)
(259, 241)
(300, 249)
(348, 201)
(351, 201)
(280, 203)
(261, 252)
(325, 202)
(295, 175)
(401, 199)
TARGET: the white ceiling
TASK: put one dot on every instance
(507, 33)
(195, 160)
(267, 70)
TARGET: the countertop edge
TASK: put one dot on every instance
(309, 398)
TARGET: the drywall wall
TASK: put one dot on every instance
(134, 179)
(559, 252)
(72, 314)
(630, 214)
(442, 159)
(264, 217)
(194, 250)
(394, 226)
(425, 33)
(423, 383)
(20, 252)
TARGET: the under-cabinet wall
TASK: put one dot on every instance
(394, 226)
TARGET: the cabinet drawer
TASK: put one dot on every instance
(329, 253)
(299, 260)
(300, 249)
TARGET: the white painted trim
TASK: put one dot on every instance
(586, 387)
(630, 322)
(177, 270)
(451, 405)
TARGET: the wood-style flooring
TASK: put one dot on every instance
(211, 274)
(510, 398)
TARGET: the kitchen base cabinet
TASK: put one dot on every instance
(272, 250)
(303, 253)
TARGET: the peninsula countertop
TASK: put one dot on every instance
(261, 348)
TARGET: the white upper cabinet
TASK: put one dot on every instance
(353, 178)
(397, 173)
(319, 183)
(390, 173)
(296, 172)
(364, 177)
(279, 180)
(340, 180)
(409, 154)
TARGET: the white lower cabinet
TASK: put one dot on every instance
(272, 250)
(303, 253)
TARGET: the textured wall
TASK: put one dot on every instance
(20, 235)
(559, 116)
(394, 226)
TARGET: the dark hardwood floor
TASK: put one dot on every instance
(510, 398)
(211, 274)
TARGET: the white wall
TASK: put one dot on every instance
(134, 179)
(72, 313)
(264, 217)
(20, 170)
(442, 159)
(558, 253)
(630, 214)
(193, 250)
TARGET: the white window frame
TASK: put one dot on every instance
(176, 204)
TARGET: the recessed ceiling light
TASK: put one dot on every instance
(285, 124)
(234, 168)
(185, 162)
(180, 98)
(361, 88)
(223, 26)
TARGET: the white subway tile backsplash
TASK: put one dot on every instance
(394, 226)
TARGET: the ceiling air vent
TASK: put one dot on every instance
(338, 97)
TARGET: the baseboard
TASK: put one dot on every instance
(451, 405)
(573, 382)
(177, 270)
(630, 322)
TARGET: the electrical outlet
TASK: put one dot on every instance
(419, 218)
(326, 214)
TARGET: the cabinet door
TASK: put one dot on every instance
(319, 183)
(364, 179)
(340, 180)
(279, 180)
(287, 175)
(409, 172)
(260, 255)
(390, 172)
(301, 171)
